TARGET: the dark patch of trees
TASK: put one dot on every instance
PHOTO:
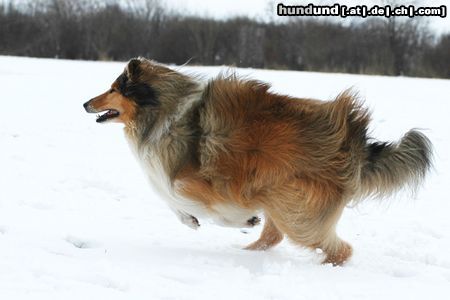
(114, 31)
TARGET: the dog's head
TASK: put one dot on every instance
(144, 85)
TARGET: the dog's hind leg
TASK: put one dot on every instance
(270, 236)
(313, 228)
(337, 251)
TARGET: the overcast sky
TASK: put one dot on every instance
(266, 8)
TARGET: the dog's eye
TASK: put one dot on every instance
(111, 91)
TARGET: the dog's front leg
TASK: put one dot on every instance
(188, 219)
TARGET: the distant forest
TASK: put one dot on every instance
(121, 30)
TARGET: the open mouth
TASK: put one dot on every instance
(109, 114)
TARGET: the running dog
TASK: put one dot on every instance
(229, 149)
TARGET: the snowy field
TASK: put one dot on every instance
(78, 220)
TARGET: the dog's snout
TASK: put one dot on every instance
(87, 106)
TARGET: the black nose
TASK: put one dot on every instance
(85, 105)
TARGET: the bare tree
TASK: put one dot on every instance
(119, 29)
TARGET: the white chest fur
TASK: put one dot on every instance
(161, 184)
(224, 214)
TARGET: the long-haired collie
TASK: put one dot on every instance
(230, 149)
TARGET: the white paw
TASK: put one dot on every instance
(189, 221)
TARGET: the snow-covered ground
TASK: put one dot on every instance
(78, 220)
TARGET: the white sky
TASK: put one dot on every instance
(265, 9)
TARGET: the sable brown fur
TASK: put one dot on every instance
(229, 149)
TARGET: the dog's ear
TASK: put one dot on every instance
(134, 68)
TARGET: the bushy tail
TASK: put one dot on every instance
(391, 166)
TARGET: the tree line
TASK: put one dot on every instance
(121, 30)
